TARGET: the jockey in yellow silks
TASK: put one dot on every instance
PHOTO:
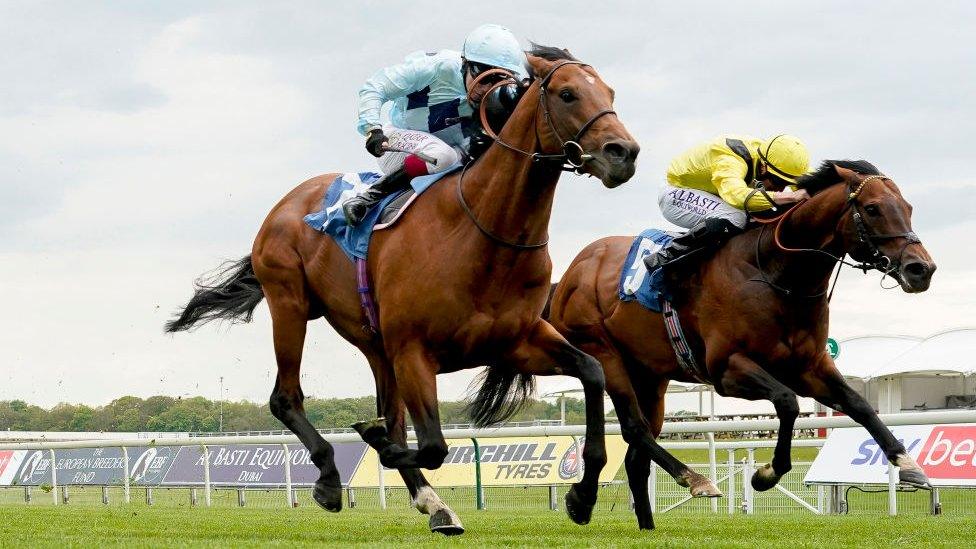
(430, 118)
(710, 187)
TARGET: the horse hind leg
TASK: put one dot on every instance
(289, 314)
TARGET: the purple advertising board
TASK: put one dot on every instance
(258, 464)
(95, 466)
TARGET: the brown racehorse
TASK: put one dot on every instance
(756, 312)
(460, 282)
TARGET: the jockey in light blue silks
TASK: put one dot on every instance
(430, 114)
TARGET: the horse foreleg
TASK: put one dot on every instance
(827, 386)
(289, 310)
(545, 352)
(389, 405)
(415, 375)
(743, 378)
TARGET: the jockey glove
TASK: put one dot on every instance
(374, 143)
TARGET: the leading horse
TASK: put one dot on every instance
(460, 282)
(756, 312)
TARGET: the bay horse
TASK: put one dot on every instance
(460, 282)
(757, 313)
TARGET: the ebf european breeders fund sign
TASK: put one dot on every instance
(947, 454)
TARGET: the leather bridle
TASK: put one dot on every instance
(572, 158)
(866, 238)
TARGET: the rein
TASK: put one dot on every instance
(573, 157)
(865, 236)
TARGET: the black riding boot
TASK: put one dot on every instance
(358, 206)
(709, 233)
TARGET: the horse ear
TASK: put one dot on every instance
(540, 66)
(844, 173)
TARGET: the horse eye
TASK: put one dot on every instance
(567, 96)
(872, 210)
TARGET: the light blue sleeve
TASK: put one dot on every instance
(415, 73)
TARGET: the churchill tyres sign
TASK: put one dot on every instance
(947, 453)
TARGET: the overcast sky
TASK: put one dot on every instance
(143, 143)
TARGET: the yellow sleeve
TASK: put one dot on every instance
(728, 177)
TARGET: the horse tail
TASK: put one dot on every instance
(548, 308)
(231, 292)
(503, 393)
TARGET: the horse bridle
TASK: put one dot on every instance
(573, 157)
(866, 237)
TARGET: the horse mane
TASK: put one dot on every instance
(549, 53)
(827, 176)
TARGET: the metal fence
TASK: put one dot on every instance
(730, 465)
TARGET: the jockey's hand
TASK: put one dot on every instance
(375, 142)
(789, 197)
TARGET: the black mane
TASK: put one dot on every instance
(549, 53)
(827, 176)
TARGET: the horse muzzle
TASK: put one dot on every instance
(614, 163)
(915, 275)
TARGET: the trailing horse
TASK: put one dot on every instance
(755, 314)
(459, 283)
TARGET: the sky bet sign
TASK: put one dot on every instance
(947, 453)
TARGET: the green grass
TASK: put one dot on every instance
(37, 526)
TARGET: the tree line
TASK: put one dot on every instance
(198, 414)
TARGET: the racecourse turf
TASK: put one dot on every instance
(65, 526)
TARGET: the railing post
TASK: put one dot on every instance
(553, 499)
(731, 493)
(241, 500)
(479, 493)
(747, 491)
(288, 491)
(712, 467)
(105, 495)
(381, 475)
(892, 489)
(193, 497)
(936, 503)
(206, 475)
(652, 487)
(820, 499)
(64, 494)
(351, 496)
(125, 474)
(27, 494)
(54, 477)
(149, 495)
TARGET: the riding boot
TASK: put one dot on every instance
(708, 233)
(358, 206)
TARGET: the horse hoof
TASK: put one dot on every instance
(371, 430)
(578, 511)
(442, 522)
(328, 497)
(764, 478)
(914, 477)
(706, 490)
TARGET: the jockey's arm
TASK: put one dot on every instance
(728, 177)
(391, 83)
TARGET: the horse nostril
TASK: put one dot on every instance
(617, 152)
(916, 269)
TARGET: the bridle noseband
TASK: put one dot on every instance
(866, 238)
(572, 158)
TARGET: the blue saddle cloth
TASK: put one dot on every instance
(332, 221)
(635, 282)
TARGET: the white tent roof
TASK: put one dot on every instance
(952, 352)
(861, 356)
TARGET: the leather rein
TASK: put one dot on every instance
(865, 237)
(572, 158)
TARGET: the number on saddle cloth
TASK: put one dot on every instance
(635, 282)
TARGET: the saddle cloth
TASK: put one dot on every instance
(354, 241)
(635, 282)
